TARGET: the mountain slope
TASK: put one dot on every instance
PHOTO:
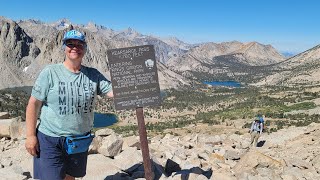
(226, 61)
(27, 46)
(253, 54)
(17, 50)
(258, 54)
(302, 69)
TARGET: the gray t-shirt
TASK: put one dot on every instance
(68, 99)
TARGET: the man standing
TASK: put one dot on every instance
(255, 131)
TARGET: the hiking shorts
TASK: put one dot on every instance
(53, 162)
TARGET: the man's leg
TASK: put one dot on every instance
(49, 165)
(252, 138)
(256, 139)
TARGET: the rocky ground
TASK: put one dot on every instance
(289, 154)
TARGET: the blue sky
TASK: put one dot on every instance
(288, 25)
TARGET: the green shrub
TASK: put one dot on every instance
(273, 130)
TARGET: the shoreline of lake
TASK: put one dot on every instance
(223, 83)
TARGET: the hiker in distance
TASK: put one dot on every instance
(65, 94)
(255, 131)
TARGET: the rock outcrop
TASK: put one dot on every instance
(291, 153)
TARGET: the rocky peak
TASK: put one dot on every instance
(207, 51)
(93, 27)
(32, 21)
(260, 54)
(129, 33)
(2, 18)
(173, 41)
(17, 50)
(15, 43)
(234, 44)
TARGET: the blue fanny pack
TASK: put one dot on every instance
(78, 144)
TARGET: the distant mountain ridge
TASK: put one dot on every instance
(255, 54)
(41, 45)
(301, 69)
(226, 61)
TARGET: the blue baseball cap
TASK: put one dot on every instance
(73, 34)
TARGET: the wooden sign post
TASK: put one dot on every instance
(134, 78)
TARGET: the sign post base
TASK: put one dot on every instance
(144, 144)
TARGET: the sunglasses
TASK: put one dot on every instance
(72, 45)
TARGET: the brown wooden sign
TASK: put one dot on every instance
(134, 77)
